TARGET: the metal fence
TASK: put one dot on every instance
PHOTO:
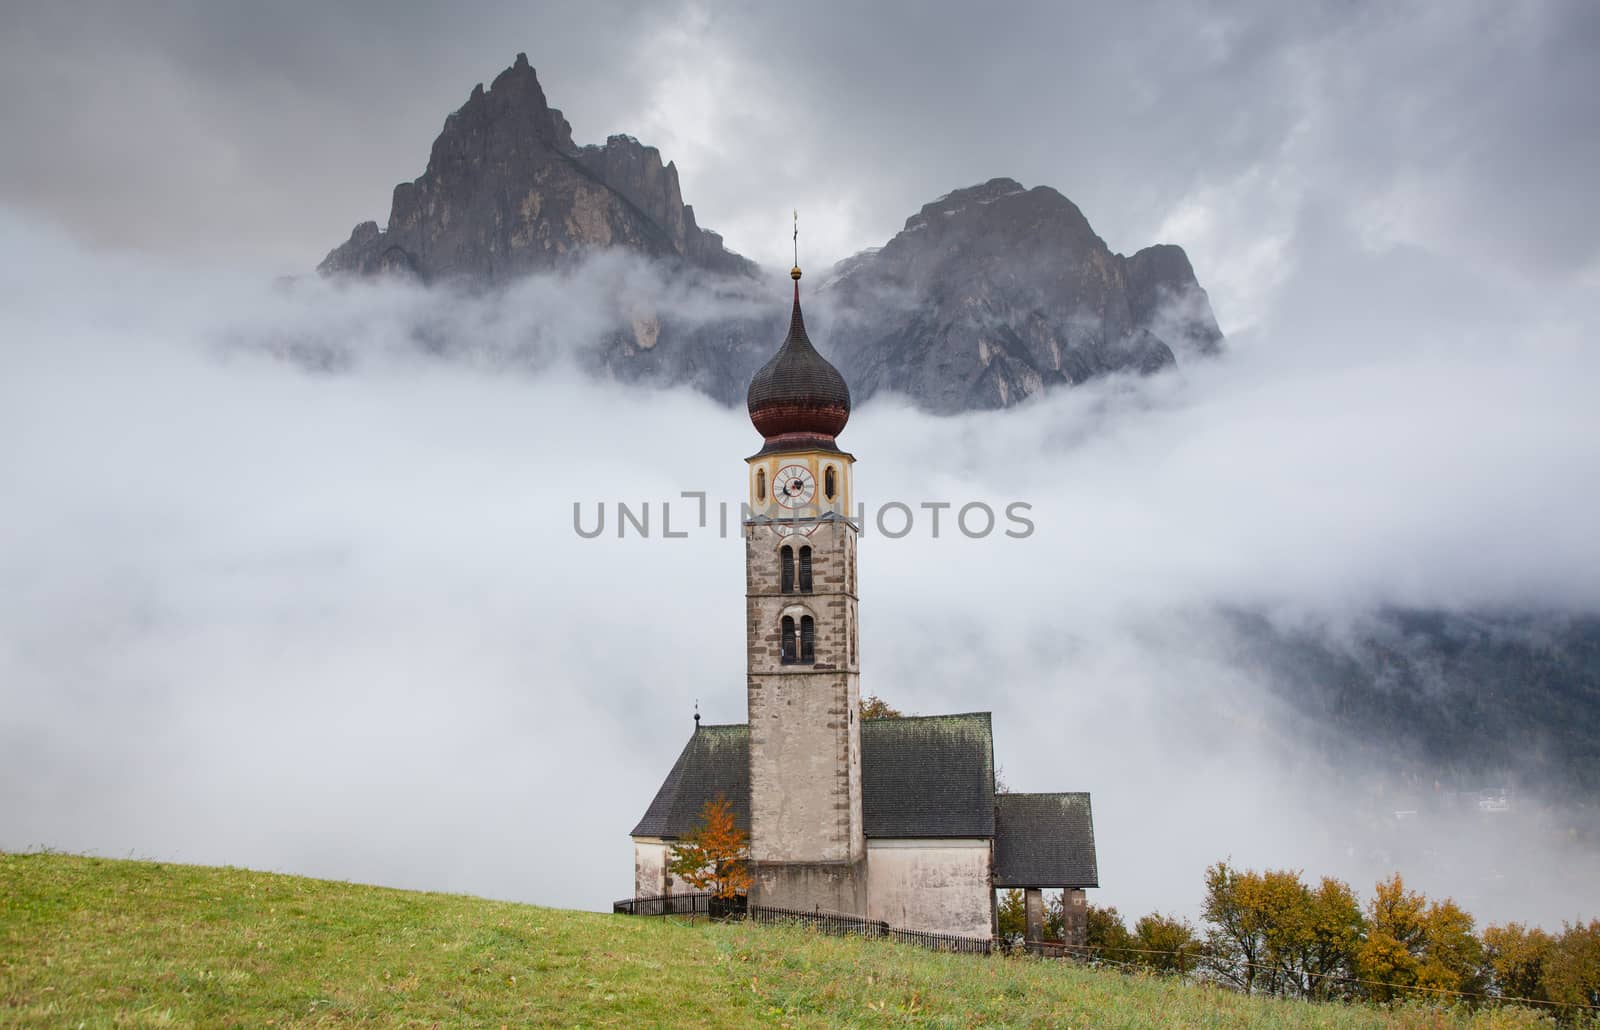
(831, 923)
(679, 905)
(942, 941)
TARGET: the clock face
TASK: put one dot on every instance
(794, 486)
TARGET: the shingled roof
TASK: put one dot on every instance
(715, 761)
(1044, 840)
(928, 776)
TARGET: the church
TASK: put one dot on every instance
(892, 819)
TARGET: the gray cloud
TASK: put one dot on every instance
(1454, 130)
(340, 623)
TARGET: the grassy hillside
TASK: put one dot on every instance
(103, 943)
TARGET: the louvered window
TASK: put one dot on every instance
(786, 578)
(805, 570)
(761, 485)
(829, 484)
(808, 637)
(788, 640)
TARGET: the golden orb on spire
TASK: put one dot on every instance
(794, 273)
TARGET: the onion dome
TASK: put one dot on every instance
(798, 399)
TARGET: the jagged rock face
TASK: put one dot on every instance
(507, 192)
(991, 294)
(635, 171)
(988, 296)
(1165, 298)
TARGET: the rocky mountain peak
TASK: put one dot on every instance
(507, 192)
(1008, 213)
(994, 292)
(516, 95)
(957, 200)
(989, 295)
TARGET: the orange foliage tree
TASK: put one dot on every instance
(714, 858)
(1412, 941)
(875, 707)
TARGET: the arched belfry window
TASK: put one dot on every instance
(805, 570)
(830, 483)
(786, 576)
(789, 652)
(808, 639)
(761, 484)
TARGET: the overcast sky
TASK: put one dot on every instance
(339, 624)
(262, 134)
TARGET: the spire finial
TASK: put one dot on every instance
(794, 273)
(697, 713)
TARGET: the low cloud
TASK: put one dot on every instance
(334, 619)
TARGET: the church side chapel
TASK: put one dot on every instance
(891, 819)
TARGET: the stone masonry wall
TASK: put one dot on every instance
(805, 740)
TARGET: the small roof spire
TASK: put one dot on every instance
(794, 273)
(697, 713)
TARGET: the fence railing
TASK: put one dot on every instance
(680, 905)
(832, 923)
(942, 941)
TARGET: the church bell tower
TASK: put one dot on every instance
(807, 848)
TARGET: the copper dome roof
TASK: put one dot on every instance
(798, 398)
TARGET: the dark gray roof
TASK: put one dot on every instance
(1044, 840)
(715, 761)
(928, 776)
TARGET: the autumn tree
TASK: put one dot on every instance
(1413, 942)
(1515, 957)
(1270, 933)
(1245, 912)
(1105, 932)
(714, 857)
(1572, 969)
(1391, 952)
(1317, 946)
(1055, 916)
(1453, 955)
(1160, 942)
(1012, 915)
(1165, 943)
(875, 707)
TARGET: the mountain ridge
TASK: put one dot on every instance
(1022, 297)
(507, 193)
(1014, 292)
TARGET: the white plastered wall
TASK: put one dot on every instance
(937, 886)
